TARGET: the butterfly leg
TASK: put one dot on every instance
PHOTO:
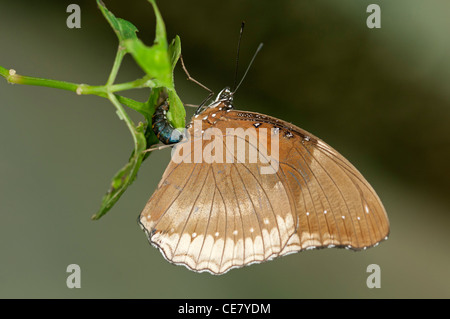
(190, 78)
(157, 147)
(191, 105)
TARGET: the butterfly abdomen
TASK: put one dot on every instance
(165, 132)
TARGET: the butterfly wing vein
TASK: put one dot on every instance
(217, 216)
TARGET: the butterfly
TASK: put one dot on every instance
(214, 216)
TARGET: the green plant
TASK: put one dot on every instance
(158, 62)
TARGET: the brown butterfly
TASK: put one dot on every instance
(214, 216)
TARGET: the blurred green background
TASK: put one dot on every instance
(379, 96)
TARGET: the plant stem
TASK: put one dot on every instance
(117, 61)
(12, 77)
(3, 72)
(101, 90)
(136, 84)
(134, 105)
(124, 116)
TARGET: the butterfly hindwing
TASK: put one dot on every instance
(212, 216)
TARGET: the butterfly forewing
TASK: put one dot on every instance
(214, 216)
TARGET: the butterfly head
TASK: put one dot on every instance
(225, 96)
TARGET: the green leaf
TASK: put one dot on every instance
(123, 28)
(158, 62)
(155, 99)
(160, 34)
(153, 60)
(177, 113)
(125, 176)
(157, 95)
(175, 51)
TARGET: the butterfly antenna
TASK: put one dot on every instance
(237, 54)
(248, 68)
